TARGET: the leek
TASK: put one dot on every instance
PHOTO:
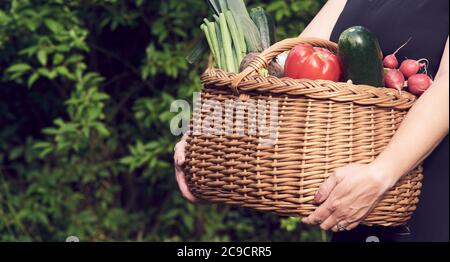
(214, 6)
(227, 44)
(223, 65)
(204, 28)
(212, 32)
(199, 49)
(237, 41)
(252, 35)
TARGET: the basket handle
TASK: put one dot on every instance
(262, 60)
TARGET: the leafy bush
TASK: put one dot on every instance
(85, 147)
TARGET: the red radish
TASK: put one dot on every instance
(390, 61)
(410, 67)
(419, 83)
(394, 79)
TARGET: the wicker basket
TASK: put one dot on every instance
(322, 125)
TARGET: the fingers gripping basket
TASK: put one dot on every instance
(322, 125)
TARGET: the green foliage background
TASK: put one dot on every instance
(85, 147)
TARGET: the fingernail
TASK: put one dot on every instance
(317, 197)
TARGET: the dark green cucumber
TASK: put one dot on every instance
(265, 24)
(361, 56)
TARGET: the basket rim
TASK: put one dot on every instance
(314, 89)
(249, 81)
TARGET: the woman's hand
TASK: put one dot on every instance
(347, 196)
(179, 158)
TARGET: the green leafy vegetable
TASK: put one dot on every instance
(252, 35)
(227, 44)
(266, 26)
(234, 34)
(210, 32)
(214, 6)
(238, 42)
(220, 44)
(200, 48)
(215, 45)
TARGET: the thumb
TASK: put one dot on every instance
(325, 189)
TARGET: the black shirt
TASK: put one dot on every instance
(393, 22)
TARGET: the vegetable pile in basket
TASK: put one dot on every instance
(359, 60)
(414, 71)
(235, 37)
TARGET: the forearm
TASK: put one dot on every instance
(425, 125)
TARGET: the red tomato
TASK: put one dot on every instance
(306, 61)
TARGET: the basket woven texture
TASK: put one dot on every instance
(322, 125)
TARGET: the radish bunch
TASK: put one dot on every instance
(409, 70)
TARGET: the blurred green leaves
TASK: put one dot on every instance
(85, 142)
(44, 31)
